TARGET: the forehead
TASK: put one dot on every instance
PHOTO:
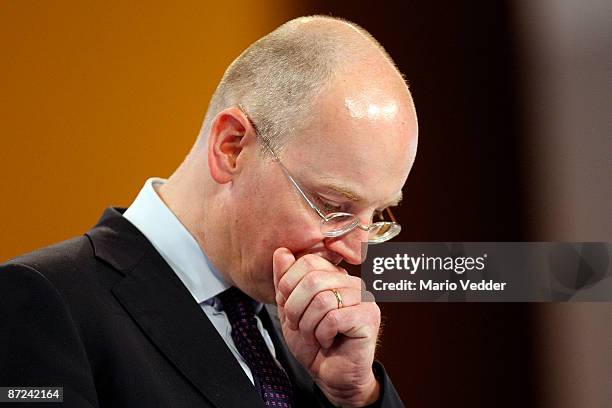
(361, 141)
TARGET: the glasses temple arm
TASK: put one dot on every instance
(297, 187)
(295, 184)
(391, 215)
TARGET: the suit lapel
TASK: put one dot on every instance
(163, 308)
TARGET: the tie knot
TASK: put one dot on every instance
(237, 304)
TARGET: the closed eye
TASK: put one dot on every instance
(327, 205)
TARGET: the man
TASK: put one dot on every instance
(311, 132)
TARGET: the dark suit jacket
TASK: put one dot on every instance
(104, 316)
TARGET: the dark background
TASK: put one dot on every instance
(466, 185)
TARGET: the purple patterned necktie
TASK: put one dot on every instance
(270, 379)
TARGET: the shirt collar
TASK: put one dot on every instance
(175, 244)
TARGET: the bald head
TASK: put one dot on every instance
(278, 79)
(329, 101)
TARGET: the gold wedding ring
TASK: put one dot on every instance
(338, 297)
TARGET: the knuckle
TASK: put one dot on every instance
(284, 287)
(320, 301)
(356, 282)
(309, 260)
(312, 280)
(306, 331)
(292, 315)
(331, 319)
(303, 327)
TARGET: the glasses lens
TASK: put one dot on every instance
(338, 224)
(383, 231)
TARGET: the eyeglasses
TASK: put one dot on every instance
(337, 224)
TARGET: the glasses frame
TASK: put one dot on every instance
(326, 218)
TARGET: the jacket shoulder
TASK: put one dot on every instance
(58, 261)
(71, 251)
(70, 266)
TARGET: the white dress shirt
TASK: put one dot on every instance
(181, 251)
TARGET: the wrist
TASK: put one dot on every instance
(354, 397)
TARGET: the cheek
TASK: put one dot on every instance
(302, 235)
(272, 215)
(285, 229)
(290, 227)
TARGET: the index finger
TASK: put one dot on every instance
(282, 259)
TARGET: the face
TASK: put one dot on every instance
(354, 157)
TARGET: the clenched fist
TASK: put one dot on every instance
(336, 345)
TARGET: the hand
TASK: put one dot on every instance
(335, 345)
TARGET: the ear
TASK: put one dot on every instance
(226, 142)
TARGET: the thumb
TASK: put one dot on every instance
(282, 259)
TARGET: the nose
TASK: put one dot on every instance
(351, 246)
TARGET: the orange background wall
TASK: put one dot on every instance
(98, 96)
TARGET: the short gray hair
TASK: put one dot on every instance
(276, 80)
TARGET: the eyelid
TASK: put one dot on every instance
(348, 205)
(329, 205)
(330, 200)
(327, 202)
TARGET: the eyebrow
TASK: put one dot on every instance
(345, 191)
(353, 196)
